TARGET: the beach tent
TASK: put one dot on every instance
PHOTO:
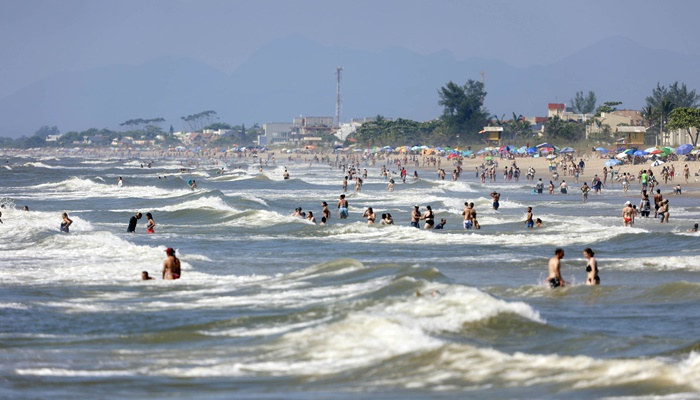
(545, 144)
(567, 150)
(532, 150)
(656, 163)
(612, 163)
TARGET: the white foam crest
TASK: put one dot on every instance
(443, 308)
(79, 188)
(666, 263)
(38, 164)
(356, 341)
(14, 306)
(456, 186)
(205, 202)
(73, 372)
(484, 366)
(267, 330)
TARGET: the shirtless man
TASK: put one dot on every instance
(554, 279)
(342, 207)
(591, 268)
(472, 214)
(627, 214)
(495, 196)
(528, 218)
(467, 216)
(415, 216)
(171, 265)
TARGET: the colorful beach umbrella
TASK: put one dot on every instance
(612, 163)
(640, 153)
(684, 149)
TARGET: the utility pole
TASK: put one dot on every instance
(338, 71)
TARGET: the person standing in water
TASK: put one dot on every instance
(120, 182)
(528, 218)
(150, 224)
(132, 223)
(171, 265)
(342, 207)
(591, 268)
(495, 196)
(554, 278)
(415, 216)
(66, 223)
(325, 212)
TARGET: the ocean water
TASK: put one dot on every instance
(270, 306)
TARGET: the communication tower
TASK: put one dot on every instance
(338, 71)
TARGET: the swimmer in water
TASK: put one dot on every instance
(66, 223)
(171, 265)
(554, 279)
(591, 268)
(150, 224)
(342, 207)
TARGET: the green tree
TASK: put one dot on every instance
(197, 121)
(685, 118)
(463, 107)
(583, 104)
(518, 127)
(46, 130)
(556, 129)
(607, 107)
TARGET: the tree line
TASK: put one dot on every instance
(464, 116)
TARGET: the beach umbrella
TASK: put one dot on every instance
(551, 157)
(656, 151)
(600, 149)
(488, 158)
(629, 151)
(466, 153)
(650, 149)
(604, 151)
(532, 150)
(621, 156)
(684, 149)
(667, 150)
(612, 163)
(545, 144)
(640, 153)
(567, 150)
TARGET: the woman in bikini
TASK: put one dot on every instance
(591, 267)
(150, 224)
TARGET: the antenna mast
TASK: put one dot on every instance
(338, 71)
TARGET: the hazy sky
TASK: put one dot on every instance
(40, 37)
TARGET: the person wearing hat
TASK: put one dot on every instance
(627, 214)
(171, 265)
(415, 216)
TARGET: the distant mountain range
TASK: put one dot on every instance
(294, 76)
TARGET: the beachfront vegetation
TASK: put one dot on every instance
(685, 118)
(583, 104)
(463, 112)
